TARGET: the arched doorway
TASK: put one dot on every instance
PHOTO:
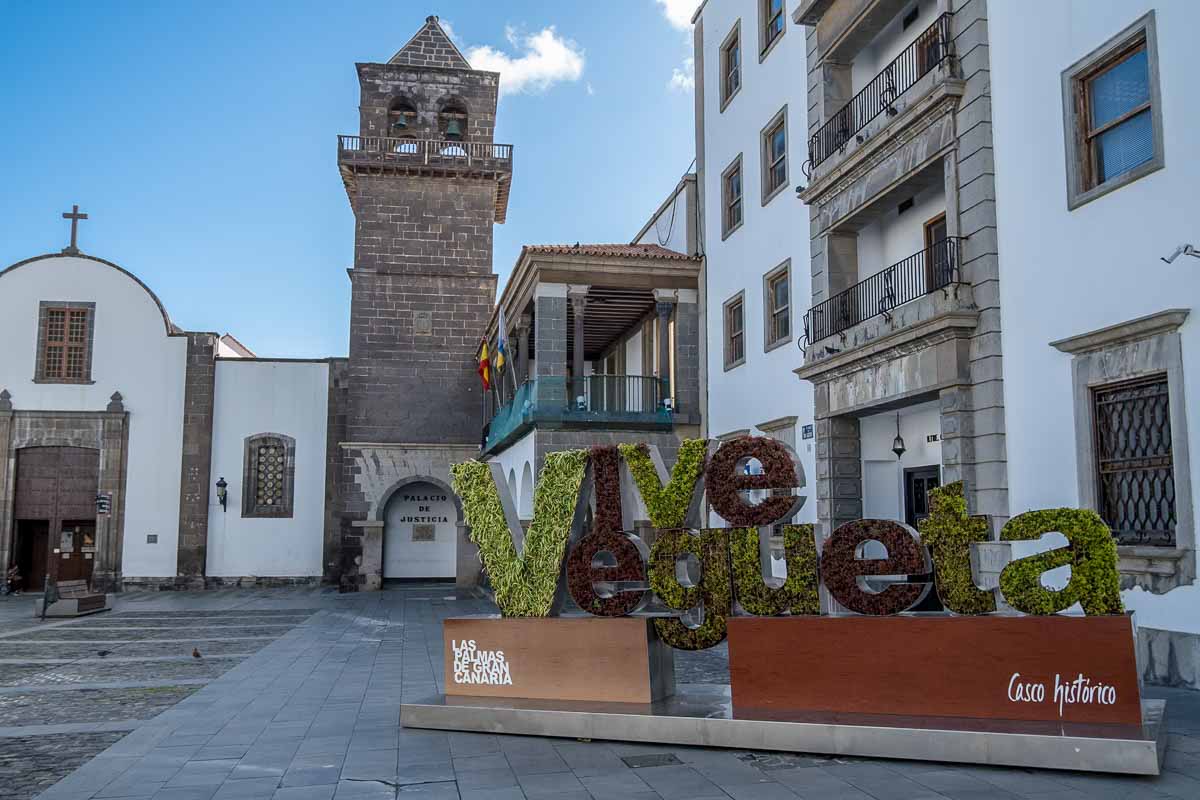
(420, 534)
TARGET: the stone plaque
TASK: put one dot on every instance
(423, 533)
(423, 323)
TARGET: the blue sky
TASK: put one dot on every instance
(200, 138)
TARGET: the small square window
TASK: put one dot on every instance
(65, 333)
(777, 306)
(731, 65)
(1113, 114)
(774, 22)
(731, 193)
(735, 331)
(774, 156)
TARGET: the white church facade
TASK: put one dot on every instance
(110, 456)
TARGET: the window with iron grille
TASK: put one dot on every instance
(731, 65)
(735, 333)
(269, 476)
(731, 189)
(1135, 473)
(64, 352)
(774, 156)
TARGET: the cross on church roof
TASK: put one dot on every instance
(74, 216)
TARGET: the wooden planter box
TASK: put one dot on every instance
(938, 667)
(615, 660)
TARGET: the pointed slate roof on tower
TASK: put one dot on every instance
(431, 47)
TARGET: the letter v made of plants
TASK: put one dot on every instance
(673, 505)
(524, 568)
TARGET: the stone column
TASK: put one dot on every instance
(7, 462)
(106, 571)
(578, 297)
(550, 333)
(522, 366)
(687, 352)
(664, 309)
(198, 399)
(839, 473)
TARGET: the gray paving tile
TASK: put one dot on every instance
(615, 784)
(679, 782)
(304, 793)
(424, 773)
(760, 791)
(511, 793)
(497, 778)
(550, 784)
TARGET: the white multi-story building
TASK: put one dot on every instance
(750, 148)
(1097, 199)
(990, 268)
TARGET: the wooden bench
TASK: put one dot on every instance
(74, 599)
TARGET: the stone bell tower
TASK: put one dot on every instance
(426, 183)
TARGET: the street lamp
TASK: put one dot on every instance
(222, 495)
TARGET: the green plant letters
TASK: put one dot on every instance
(948, 533)
(524, 584)
(669, 506)
(1091, 553)
(711, 595)
(798, 594)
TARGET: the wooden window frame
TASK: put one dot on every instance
(734, 38)
(777, 123)
(43, 369)
(766, 43)
(728, 226)
(250, 508)
(738, 301)
(1079, 136)
(771, 339)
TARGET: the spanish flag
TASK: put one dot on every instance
(485, 366)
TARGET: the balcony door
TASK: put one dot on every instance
(937, 261)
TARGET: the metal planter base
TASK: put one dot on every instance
(701, 715)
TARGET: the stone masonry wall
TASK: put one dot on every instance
(421, 224)
(413, 344)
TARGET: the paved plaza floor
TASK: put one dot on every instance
(295, 695)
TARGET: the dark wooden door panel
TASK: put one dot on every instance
(56, 493)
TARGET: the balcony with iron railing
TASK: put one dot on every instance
(428, 156)
(594, 401)
(425, 152)
(934, 268)
(883, 94)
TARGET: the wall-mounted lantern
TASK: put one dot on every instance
(222, 494)
(898, 443)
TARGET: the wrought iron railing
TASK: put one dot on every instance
(935, 267)
(425, 151)
(595, 399)
(929, 49)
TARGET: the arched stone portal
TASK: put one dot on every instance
(420, 533)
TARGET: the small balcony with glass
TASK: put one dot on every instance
(598, 338)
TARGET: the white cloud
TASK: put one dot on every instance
(542, 60)
(683, 79)
(679, 12)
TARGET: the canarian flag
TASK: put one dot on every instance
(485, 366)
(501, 343)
